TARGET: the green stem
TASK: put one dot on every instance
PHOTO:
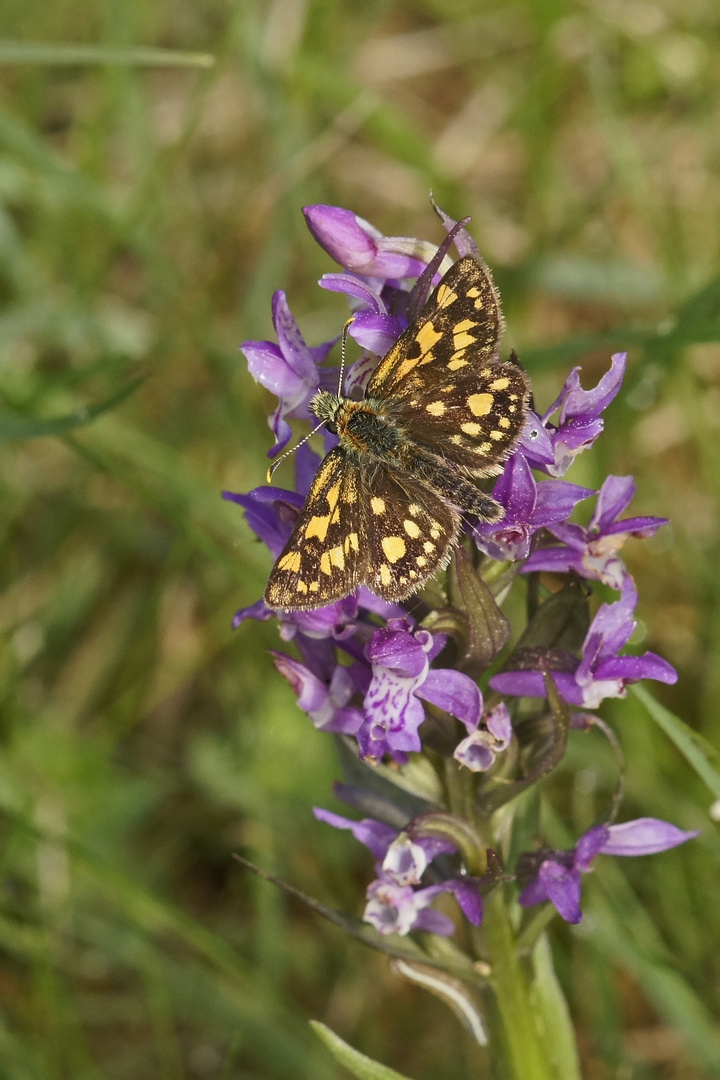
(518, 1034)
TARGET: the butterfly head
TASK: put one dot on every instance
(326, 407)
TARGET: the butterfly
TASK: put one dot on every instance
(386, 504)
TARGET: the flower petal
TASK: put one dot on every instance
(375, 835)
(644, 836)
(454, 692)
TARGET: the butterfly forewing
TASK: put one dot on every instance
(326, 556)
(459, 327)
(361, 524)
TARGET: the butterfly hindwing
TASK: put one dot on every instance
(409, 535)
(472, 418)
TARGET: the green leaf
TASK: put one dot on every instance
(703, 306)
(401, 947)
(696, 750)
(561, 622)
(59, 53)
(488, 626)
(19, 427)
(361, 1066)
(625, 934)
(557, 1033)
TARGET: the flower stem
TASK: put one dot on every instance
(518, 1038)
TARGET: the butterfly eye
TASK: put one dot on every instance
(332, 428)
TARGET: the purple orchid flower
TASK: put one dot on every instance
(592, 551)
(557, 874)
(480, 748)
(289, 370)
(528, 507)
(394, 905)
(601, 673)
(553, 448)
(392, 673)
(326, 703)
(361, 248)
(401, 675)
(372, 327)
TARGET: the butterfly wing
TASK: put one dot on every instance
(442, 383)
(472, 419)
(459, 326)
(410, 533)
(361, 524)
(324, 559)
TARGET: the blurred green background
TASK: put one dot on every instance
(148, 209)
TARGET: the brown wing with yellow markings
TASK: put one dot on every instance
(361, 524)
(473, 418)
(459, 327)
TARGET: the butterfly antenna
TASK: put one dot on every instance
(292, 450)
(343, 346)
(343, 349)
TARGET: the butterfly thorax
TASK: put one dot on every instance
(363, 427)
(367, 431)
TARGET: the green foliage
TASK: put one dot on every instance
(149, 205)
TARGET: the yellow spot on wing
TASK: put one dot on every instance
(445, 295)
(385, 575)
(466, 324)
(421, 561)
(415, 509)
(318, 526)
(314, 586)
(411, 528)
(407, 365)
(500, 384)
(378, 505)
(337, 558)
(301, 587)
(471, 428)
(351, 541)
(394, 548)
(427, 336)
(325, 567)
(333, 495)
(436, 408)
(503, 422)
(480, 404)
(456, 363)
(496, 436)
(429, 548)
(461, 341)
(290, 562)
